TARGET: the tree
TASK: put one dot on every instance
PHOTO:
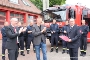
(39, 3)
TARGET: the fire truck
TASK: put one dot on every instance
(65, 12)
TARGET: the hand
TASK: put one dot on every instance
(44, 29)
(69, 40)
(82, 32)
(29, 31)
(20, 31)
(53, 31)
(24, 29)
(65, 32)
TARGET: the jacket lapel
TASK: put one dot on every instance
(12, 30)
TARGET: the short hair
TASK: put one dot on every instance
(14, 19)
(31, 21)
(72, 19)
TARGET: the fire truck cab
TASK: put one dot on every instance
(65, 12)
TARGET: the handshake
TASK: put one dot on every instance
(44, 29)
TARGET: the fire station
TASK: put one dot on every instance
(24, 10)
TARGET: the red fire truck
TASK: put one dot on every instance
(65, 12)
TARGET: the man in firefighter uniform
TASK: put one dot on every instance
(83, 41)
(4, 39)
(54, 28)
(21, 38)
(30, 36)
(64, 43)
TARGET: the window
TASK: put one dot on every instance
(26, 3)
(2, 13)
(14, 1)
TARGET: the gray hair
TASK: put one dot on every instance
(14, 19)
(72, 19)
(31, 21)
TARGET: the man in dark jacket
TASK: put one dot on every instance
(39, 32)
(4, 39)
(21, 38)
(64, 43)
(74, 39)
(30, 36)
(83, 41)
(54, 28)
(12, 39)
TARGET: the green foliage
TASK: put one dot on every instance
(39, 3)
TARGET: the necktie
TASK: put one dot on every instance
(17, 36)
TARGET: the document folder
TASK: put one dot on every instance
(65, 38)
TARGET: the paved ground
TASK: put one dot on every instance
(51, 56)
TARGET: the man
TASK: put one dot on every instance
(64, 43)
(74, 40)
(84, 31)
(30, 36)
(12, 39)
(25, 35)
(54, 28)
(4, 39)
(21, 38)
(39, 32)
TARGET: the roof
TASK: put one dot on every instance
(25, 5)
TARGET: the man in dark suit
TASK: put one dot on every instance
(39, 32)
(74, 40)
(12, 39)
(4, 39)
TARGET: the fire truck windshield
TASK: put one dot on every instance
(60, 15)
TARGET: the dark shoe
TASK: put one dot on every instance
(67, 52)
(81, 54)
(34, 51)
(51, 50)
(84, 55)
(27, 52)
(56, 50)
(22, 53)
(63, 52)
(3, 58)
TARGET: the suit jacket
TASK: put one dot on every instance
(11, 38)
(38, 36)
(74, 35)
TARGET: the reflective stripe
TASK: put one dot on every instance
(81, 50)
(28, 49)
(21, 50)
(67, 49)
(64, 48)
(56, 47)
(3, 54)
(84, 51)
(51, 47)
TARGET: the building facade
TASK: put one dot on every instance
(24, 10)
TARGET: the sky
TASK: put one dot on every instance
(81, 2)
